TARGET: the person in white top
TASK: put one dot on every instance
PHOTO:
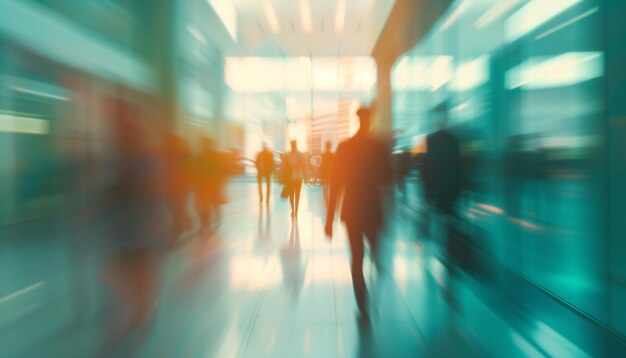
(294, 165)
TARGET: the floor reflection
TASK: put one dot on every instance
(292, 262)
(265, 223)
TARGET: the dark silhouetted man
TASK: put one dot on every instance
(265, 168)
(361, 168)
(443, 178)
(443, 166)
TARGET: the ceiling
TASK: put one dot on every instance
(301, 27)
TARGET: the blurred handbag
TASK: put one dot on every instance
(285, 193)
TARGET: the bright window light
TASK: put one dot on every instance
(533, 15)
(20, 124)
(440, 72)
(325, 79)
(400, 75)
(559, 71)
(293, 108)
(471, 74)
(259, 74)
(422, 72)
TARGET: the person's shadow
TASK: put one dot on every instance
(265, 227)
(291, 259)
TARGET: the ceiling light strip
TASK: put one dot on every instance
(340, 16)
(271, 16)
(496, 12)
(568, 23)
(456, 14)
(305, 16)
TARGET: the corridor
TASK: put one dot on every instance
(482, 140)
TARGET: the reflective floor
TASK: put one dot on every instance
(261, 286)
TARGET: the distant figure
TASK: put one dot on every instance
(294, 171)
(361, 167)
(265, 168)
(443, 173)
(443, 166)
(326, 170)
(402, 168)
(176, 158)
(314, 169)
(208, 179)
(526, 171)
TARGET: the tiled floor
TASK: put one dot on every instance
(278, 288)
(265, 286)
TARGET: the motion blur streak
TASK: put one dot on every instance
(170, 170)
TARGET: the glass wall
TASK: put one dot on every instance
(524, 83)
(112, 19)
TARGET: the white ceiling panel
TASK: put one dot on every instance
(296, 27)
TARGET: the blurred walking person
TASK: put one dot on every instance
(134, 208)
(443, 166)
(443, 179)
(265, 168)
(294, 172)
(228, 166)
(326, 170)
(361, 168)
(207, 181)
(402, 169)
(176, 159)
